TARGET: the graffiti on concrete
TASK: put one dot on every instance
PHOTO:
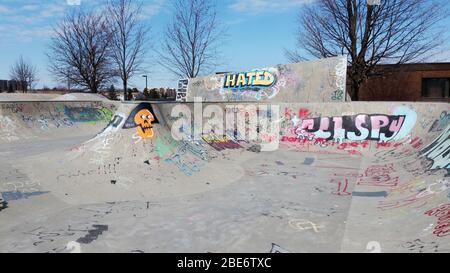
(3, 204)
(9, 131)
(337, 95)
(220, 143)
(16, 195)
(342, 186)
(182, 90)
(417, 193)
(379, 175)
(256, 84)
(442, 213)
(251, 79)
(303, 224)
(45, 116)
(374, 247)
(189, 157)
(439, 151)
(357, 127)
(164, 145)
(88, 114)
(113, 126)
(277, 249)
(143, 118)
(92, 234)
(420, 246)
(441, 123)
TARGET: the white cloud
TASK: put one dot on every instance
(4, 9)
(30, 7)
(439, 56)
(150, 10)
(73, 2)
(29, 19)
(52, 10)
(258, 6)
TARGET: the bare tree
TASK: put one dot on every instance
(129, 39)
(80, 51)
(191, 39)
(391, 31)
(24, 73)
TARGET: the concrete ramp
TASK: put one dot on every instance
(326, 177)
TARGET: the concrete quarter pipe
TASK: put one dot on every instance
(100, 176)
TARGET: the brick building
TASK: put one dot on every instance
(408, 82)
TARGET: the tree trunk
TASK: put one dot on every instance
(355, 91)
(125, 90)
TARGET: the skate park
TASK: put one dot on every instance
(330, 175)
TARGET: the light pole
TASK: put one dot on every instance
(146, 82)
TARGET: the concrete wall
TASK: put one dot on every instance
(313, 81)
(25, 121)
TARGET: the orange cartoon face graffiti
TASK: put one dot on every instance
(144, 119)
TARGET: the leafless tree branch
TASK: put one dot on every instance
(25, 73)
(129, 38)
(396, 31)
(191, 39)
(80, 52)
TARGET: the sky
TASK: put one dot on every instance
(258, 33)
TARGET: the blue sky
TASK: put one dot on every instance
(258, 33)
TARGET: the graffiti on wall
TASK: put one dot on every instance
(182, 89)
(45, 116)
(220, 143)
(379, 175)
(442, 227)
(189, 158)
(342, 186)
(88, 114)
(113, 126)
(337, 95)
(142, 118)
(420, 246)
(356, 127)
(256, 84)
(251, 79)
(439, 151)
(8, 129)
(441, 123)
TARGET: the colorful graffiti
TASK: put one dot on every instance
(143, 118)
(47, 115)
(442, 227)
(357, 127)
(220, 143)
(252, 79)
(439, 151)
(255, 85)
(88, 114)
